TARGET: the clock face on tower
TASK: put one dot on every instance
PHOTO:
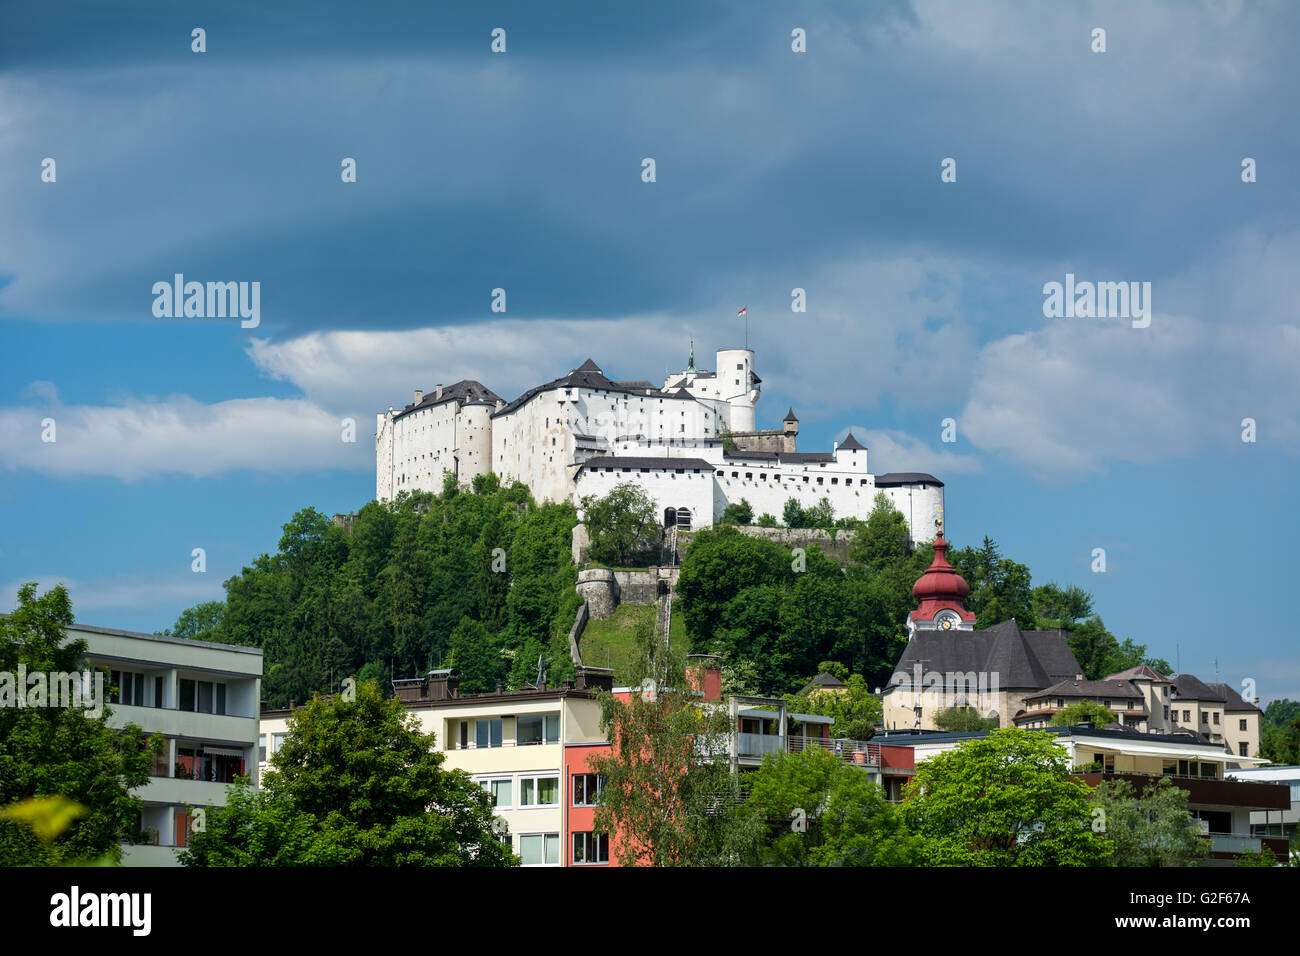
(946, 623)
(947, 620)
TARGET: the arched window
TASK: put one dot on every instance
(684, 519)
(670, 517)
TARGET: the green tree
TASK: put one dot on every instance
(738, 513)
(661, 789)
(882, 539)
(1082, 712)
(999, 587)
(1154, 828)
(1008, 799)
(856, 711)
(622, 525)
(766, 520)
(792, 515)
(201, 622)
(475, 655)
(356, 783)
(959, 719)
(62, 752)
(814, 809)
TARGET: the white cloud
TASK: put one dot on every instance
(1076, 395)
(889, 451)
(130, 591)
(179, 435)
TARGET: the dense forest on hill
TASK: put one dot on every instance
(482, 579)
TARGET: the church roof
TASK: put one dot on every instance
(466, 391)
(852, 444)
(1022, 660)
(895, 478)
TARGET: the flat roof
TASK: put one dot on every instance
(164, 638)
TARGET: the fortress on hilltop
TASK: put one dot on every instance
(691, 443)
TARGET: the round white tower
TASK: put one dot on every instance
(738, 386)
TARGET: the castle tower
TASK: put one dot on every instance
(791, 432)
(738, 386)
(941, 592)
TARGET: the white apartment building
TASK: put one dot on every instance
(203, 698)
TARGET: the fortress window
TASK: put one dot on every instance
(734, 475)
(763, 475)
(645, 471)
(835, 481)
(820, 479)
(678, 471)
(739, 367)
(749, 475)
(805, 479)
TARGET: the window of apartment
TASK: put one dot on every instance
(537, 729)
(591, 848)
(158, 691)
(1241, 724)
(539, 849)
(1241, 749)
(487, 733)
(1166, 713)
(202, 696)
(539, 791)
(1216, 716)
(261, 748)
(1205, 718)
(587, 788)
(1060, 702)
(130, 688)
(502, 791)
(1187, 715)
(277, 741)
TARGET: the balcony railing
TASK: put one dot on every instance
(1234, 843)
(759, 745)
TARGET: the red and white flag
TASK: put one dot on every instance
(743, 311)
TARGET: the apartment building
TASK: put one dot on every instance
(1278, 824)
(1223, 801)
(513, 744)
(203, 699)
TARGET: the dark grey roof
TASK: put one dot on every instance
(1141, 672)
(588, 375)
(621, 461)
(1023, 660)
(1092, 688)
(789, 416)
(1189, 687)
(466, 391)
(895, 478)
(782, 457)
(822, 680)
(901, 737)
(852, 444)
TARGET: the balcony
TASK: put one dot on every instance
(1207, 791)
(756, 746)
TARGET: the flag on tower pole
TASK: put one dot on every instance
(743, 311)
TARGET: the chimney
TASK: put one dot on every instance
(500, 405)
(409, 689)
(438, 394)
(419, 396)
(444, 684)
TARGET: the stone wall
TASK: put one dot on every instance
(600, 591)
(834, 544)
(642, 587)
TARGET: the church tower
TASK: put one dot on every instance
(941, 592)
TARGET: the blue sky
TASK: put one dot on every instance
(775, 170)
